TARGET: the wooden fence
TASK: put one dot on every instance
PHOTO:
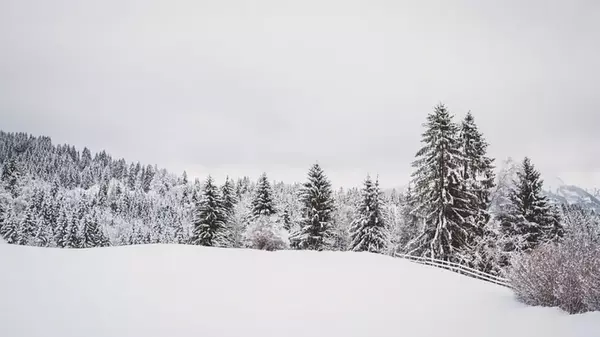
(457, 268)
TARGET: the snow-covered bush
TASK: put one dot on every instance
(266, 233)
(565, 274)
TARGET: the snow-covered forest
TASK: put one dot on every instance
(460, 205)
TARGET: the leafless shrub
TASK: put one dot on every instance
(565, 274)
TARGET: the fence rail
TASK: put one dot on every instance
(457, 268)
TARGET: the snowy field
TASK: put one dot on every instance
(195, 291)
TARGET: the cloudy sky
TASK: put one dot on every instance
(240, 87)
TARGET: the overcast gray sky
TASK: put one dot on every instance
(240, 87)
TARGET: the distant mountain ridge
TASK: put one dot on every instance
(572, 195)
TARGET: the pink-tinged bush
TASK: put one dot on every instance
(565, 274)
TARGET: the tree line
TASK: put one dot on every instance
(455, 207)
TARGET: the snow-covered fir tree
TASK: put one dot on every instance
(229, 196)
(530, 219)
(479, 179)
(11, 176)
(403, 223)
(10, 229)
(317, 209)
(368, 231)
(209, 223)
(263, 204)
(442, 198)
(27, 229)
(92, 233)
(478, 169)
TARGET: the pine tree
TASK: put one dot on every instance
(368, 230)
(317, 208)
(10, 177)
(10, 230)
(92, 234)
(478, 169)
(184, 178)
(63, 231)
(27, 229)
(478, 176)
(146, 179)
(286, 219)
(530, 219)
(262, 203)
(441, 196)
(3, 213)
(229, 197)
(209, 221)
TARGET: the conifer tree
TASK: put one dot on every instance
(10, 227)
(287, 219)
(368, 229)
(209, 221)
(530, 219)
(3, 214)
(92, 234)
(317, 208)
(478, 170)
(63, 231)
(146, 178)
(229, 196)
(27, 229)
(184, 178)
(10, 177)
(262, 203)
(441, 197)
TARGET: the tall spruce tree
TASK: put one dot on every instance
(317, 208)
(3, 213)
(229, 196)
(530, 219)
(479, 179)
(209, 221)
(27, 228)
(63, 230)
(441, 197)
(10, 177)
(478, 168)
(10, 230)
(262, 203)
(368, 230)
(92, 234)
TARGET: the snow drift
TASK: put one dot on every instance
(172, 290)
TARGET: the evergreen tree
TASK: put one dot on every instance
(146, 179)
(263, 204)
(92, 234)
(479, 179)
(441, 196)
(287, 219)
(27, 229)
(368, 230)
(317, 208)
(229, 196)
(11, 176)
(184, 178)
(209, 221)
(10, 230)
(478, 169)
(530, 219)
(63, 231)
(3, 212)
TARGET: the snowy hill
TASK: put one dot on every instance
(174, 291)
(573, 195)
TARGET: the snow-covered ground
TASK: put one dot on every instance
(195, 291)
